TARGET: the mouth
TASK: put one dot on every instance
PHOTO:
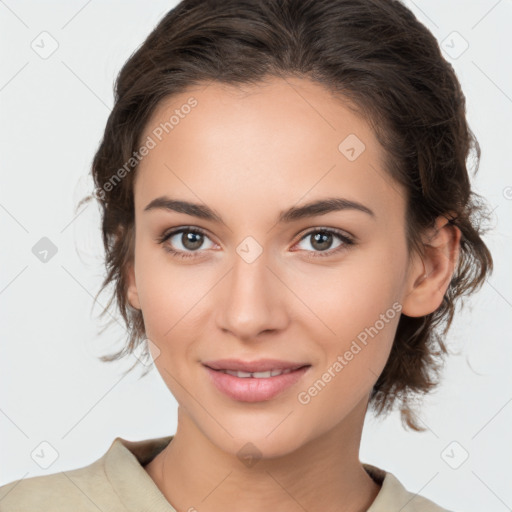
(255, 367)
(267, 379)
(258, 375)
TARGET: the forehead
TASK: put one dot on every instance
(279, 139)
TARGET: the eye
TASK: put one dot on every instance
(190, 239)
(322, 240)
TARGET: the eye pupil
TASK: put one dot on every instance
(191, 240)
(322, 237)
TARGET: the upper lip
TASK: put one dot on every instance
(261, 365)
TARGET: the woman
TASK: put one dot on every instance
(288, 220)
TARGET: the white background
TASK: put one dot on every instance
(53, 387)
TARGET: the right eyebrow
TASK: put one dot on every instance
(196, 210)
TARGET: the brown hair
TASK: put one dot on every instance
(377, 57)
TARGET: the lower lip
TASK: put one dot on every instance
(251, 389)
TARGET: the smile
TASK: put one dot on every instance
(256, 375)
(258, 386)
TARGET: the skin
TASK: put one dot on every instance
(250, 154)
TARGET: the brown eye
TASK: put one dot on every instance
(185, 241)
(321, 240)
(191, 240)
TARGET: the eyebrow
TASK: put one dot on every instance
(312, 209)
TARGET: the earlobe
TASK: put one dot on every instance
(131, 288)
(430, 275)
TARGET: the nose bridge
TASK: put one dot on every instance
(253, 303)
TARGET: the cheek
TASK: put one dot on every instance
(351, 367)
(359, 312)
(346, 299)
(172, 300)
(167, 292)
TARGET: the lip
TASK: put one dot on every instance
(251, 389)
(260, 365)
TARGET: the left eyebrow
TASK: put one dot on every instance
(312, 209)
(322, 207)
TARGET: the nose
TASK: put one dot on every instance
(253, 299)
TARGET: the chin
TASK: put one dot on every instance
(263, 441)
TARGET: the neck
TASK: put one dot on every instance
(323, 474)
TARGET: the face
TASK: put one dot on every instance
(321, 287)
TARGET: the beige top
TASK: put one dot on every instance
(117, 482)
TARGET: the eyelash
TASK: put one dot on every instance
(347, 241)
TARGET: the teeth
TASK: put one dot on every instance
(257, 375)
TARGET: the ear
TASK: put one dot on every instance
(131, 287)
(429, 275)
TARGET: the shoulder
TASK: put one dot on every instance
(394, 496)
(114, 482)
(85, 489)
